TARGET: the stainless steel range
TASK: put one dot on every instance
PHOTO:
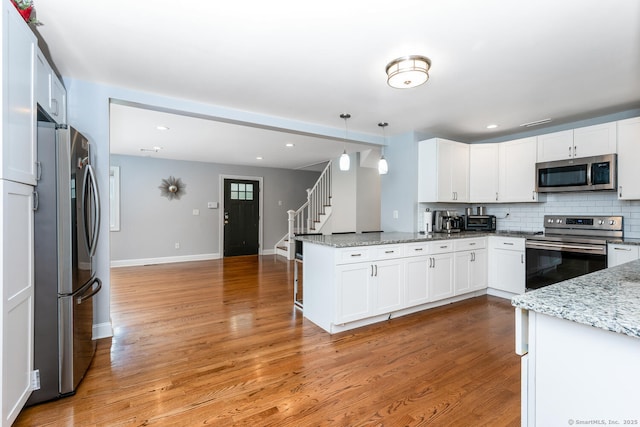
(570, 247)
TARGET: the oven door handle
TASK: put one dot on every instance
(598, 250)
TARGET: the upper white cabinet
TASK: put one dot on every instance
(443, 171)
(50, 93)
(628, 156)
(18, 152)
(518, 171)
(484, 174)
(581, 142)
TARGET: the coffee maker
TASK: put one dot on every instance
(446, 222)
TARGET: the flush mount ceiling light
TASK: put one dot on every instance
(383, 166)
(408, 71)
(155, 149)
(162, 127)
(345, 161)
(492, 126)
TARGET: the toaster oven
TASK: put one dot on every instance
(480, 222)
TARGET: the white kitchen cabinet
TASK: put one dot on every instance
(507, 271)
(355, 293)
(484, 174)
(470, 266)
(628, 156)
(619, 254)
(369, 288)
(17, 271)
(595, 140)
(581, 142)
(18, 156)
(443, 171)
(50, 92)
(517, 175)
(555, 146)
(440, 276)
(573, 371)
(416, 270)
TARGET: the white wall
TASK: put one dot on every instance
(150, 225)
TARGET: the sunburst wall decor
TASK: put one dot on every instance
(172, 188)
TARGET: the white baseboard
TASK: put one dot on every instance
(102, 330)
(163, 260)
(268, 252)
(499, 293)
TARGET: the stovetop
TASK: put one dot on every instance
(580, 229)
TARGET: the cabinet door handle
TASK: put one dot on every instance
(621, 249)
(371, 270)
(376, 270)
(507, 243)
(575, 150)
(521, 258)
(354, 255)
(36, 200)
(569, 151)
(389, 252)
(417, 249)
(38, 171)
(444, 247)
(472, 244)
(533, 195)
(620, 194)
(496, 196)
(473, 256)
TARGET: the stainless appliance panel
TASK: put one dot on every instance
(64, 283)
(580, 174)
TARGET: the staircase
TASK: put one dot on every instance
(310, 217)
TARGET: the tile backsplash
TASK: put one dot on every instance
(529, 216)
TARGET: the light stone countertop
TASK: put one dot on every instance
(607, 299)
(368, 239)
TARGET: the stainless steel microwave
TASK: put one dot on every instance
(581, 174)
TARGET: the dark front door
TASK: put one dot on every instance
(241, 217)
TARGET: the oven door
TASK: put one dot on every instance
(553, 262)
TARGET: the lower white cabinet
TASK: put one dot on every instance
(345, 288)
(440, 276)
(507, 270)
(619, 254)
(470, 271)
(16, 323)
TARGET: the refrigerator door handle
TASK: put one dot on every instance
(90, 189)
(82, 298)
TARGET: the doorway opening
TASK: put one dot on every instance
(241, 216)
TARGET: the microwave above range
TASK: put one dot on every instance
(581, 174)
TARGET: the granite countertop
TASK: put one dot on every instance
(368, 239)
(607, 299)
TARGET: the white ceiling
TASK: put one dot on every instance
(494, 61)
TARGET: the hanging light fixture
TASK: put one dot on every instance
(345, 161)
(408, 71)
(383, 166)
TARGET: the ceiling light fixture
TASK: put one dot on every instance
(408, 71)
(383, 166)
(289, 144)
(155, 149)
(345, 161)
(492, 126)
(259, 158)
(162, 128)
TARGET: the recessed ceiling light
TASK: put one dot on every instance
(259, 158)
(492, 126)
(289, 144)
(162, 128)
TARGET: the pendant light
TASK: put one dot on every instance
(383, 166)
(345, 161)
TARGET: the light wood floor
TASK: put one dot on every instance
(219, 343)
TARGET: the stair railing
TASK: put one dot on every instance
(318, 197)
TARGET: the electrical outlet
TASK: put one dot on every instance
(196, 211)
(35, 380)
(177, 245)
(395, 214)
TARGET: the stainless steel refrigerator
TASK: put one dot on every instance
(66, 220)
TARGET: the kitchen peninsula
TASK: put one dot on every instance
(580, 342)
(352, 280)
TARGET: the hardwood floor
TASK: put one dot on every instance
(219, 343)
